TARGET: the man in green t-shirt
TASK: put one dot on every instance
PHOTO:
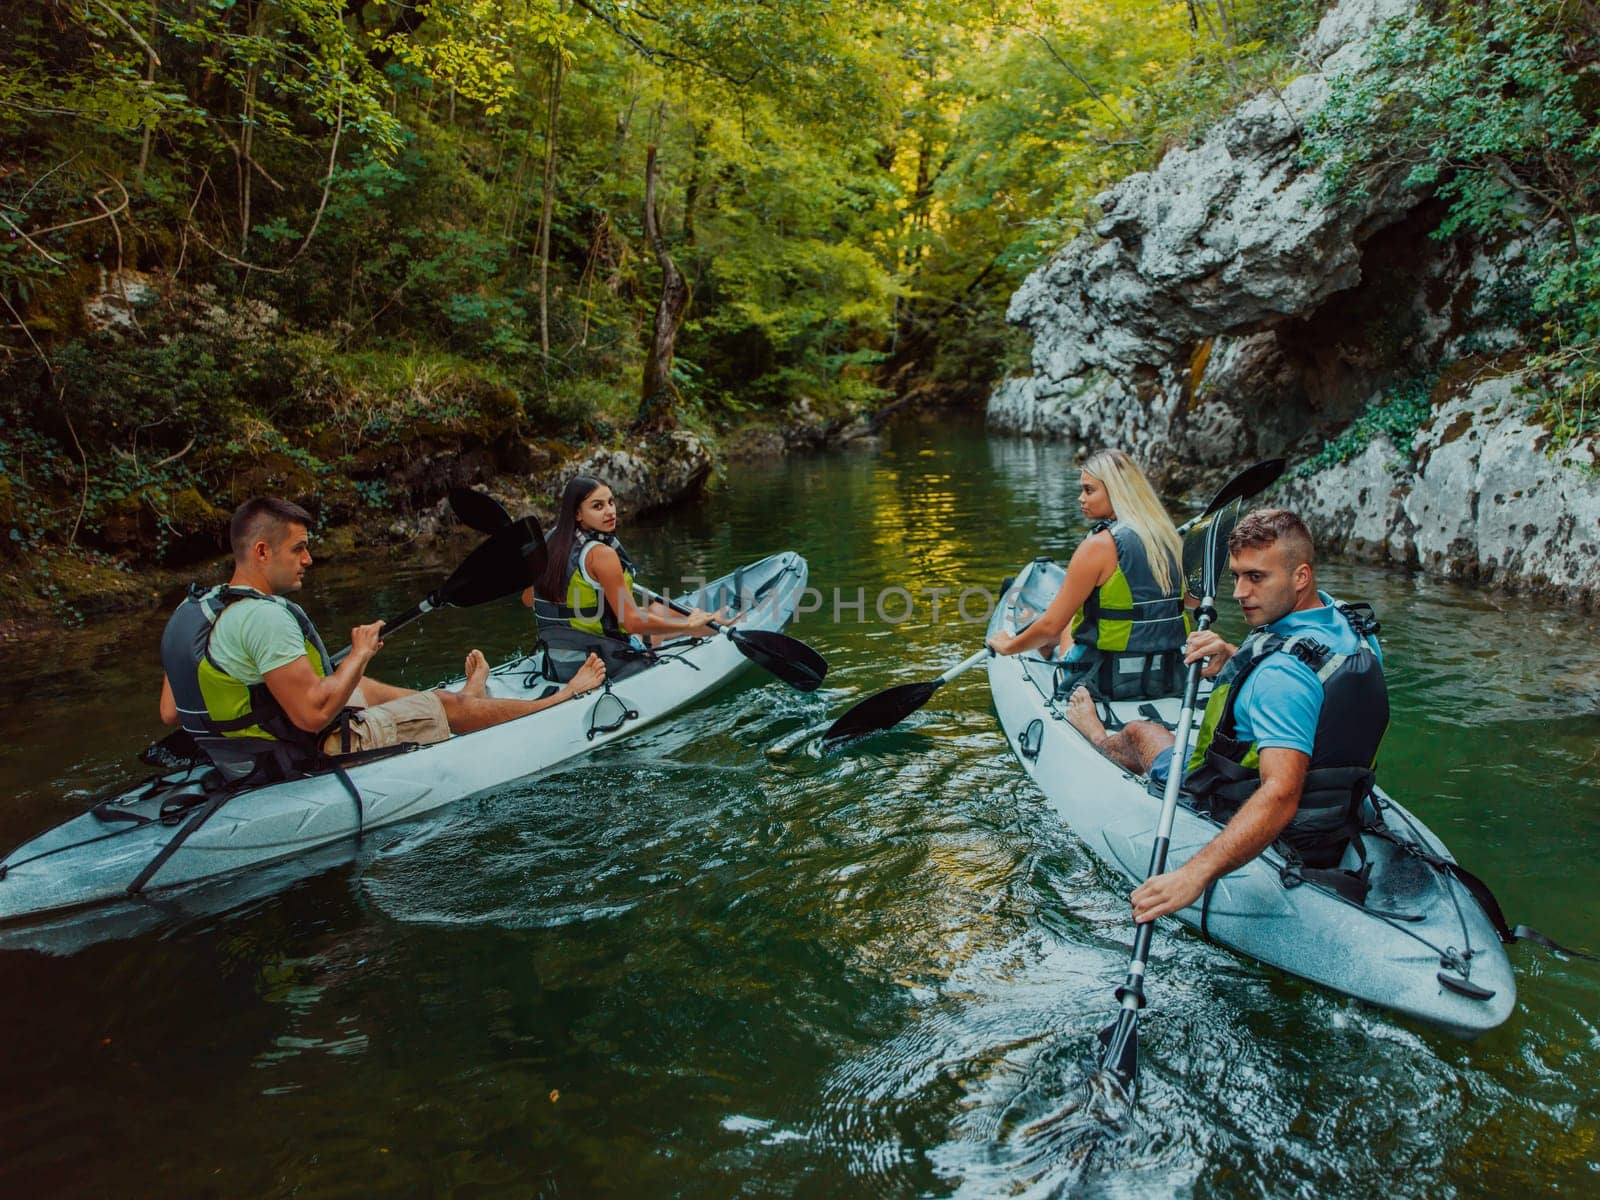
(260, 640)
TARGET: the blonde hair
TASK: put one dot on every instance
(1137, 506)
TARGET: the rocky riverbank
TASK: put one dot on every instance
(1230, 306)
(75, 584)
(677, 467)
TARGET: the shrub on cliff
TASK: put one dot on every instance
(1492, 105)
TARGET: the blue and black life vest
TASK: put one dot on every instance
(1224, 772)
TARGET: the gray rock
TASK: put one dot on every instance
(1223, 310)
(1483, 500)
(653, 475)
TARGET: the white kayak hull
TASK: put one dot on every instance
(1390, 951)
(92, 860)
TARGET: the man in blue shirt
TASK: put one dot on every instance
(1302, 649)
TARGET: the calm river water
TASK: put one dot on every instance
(711, 962)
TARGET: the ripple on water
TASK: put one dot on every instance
(714, 960)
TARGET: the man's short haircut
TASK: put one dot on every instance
(262, 519)
(1269, 527)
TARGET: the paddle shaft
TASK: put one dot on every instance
(419, 609)
(500, 565)
(962, 667)
(679, 607)
(1131, 993)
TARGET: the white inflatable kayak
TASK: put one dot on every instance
(95, 858)
(1419, 943)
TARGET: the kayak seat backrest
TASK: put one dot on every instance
(566, 649)
(237, 757)
(1113, 676)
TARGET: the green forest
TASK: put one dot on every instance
(297, 245)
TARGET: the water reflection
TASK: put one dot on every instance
(711, 960)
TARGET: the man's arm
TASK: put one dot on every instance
(169, 702)
(1253, 828)
(312, 702)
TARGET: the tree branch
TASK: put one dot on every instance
(1078, 75)
(22, 233)
(132, 32)
(104, 214)
(327, 183)
(658, 54)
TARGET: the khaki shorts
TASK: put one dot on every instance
(416, 718)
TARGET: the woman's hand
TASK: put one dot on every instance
(697, 623)
(1001, 643)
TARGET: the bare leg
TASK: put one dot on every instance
(467, 713)
(1134, 748)
(477, 675)
(378, 692)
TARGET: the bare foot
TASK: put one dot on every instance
(477, 683)
(1081, 715)
(588, 677)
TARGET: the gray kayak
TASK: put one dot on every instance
(1418, 943)
(94, 859)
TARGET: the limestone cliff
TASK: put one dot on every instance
(1225, 308)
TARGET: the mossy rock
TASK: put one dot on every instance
(754, 442)
(190, 512)
(275, 474)
(149, 523)
(57, 308)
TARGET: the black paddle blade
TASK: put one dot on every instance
(1119, 1050)
(1205, 549)
(882, 710)
(1247, 483)
(790, 659)
(507, 561)
(478, 510)
(176, 750)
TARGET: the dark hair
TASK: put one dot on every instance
(552, 584)
(1267, 527)
(262, 518)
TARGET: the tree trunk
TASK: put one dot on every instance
(1226, 21)
(547, 203)
(659, 395)
(149, 80)
(691, 196)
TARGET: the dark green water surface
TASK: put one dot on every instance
(711, 962)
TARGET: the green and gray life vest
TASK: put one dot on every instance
(1224, 772)
(586, 622)
(1132, 627)
(234, 722)
(586, 600)
(1131, 611)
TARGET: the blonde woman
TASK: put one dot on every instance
(1120, 612)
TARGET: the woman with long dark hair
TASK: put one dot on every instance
(588, 583)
